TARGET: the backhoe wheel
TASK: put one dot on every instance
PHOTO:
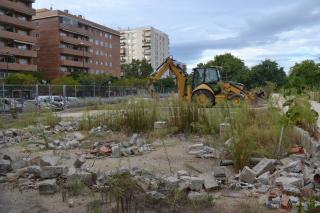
(203, 98)
(236, 99)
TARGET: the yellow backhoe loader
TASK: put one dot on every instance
(206, 88)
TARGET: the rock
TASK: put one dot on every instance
(156, 195)
(104, 150)
(80, 176)
(291, 190)
(71, 203)
(220, 173)
(9, 157)
(133, 139)
(72, 144)
(210, 183)
(171, 183)
(78, 136)
(35, 170)
(116, 152)
(281, 181)
(182, 173)
(195, 183)
(3, 179)
(295, 166)
(264, 178)
(197, 196)
(56, 143)
(196, 147)
(79, 162)
(48, 161)
(263, 166)
(47, 172)
(47, 187)
(160, 125)
(247, 175)
(5, 166)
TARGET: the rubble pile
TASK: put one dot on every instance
(202, 151)
(136, 146)
(285, 183)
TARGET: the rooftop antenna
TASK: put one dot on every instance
(51, 6)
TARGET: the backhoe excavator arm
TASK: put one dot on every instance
(182, 77)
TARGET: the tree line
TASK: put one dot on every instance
(301, 76)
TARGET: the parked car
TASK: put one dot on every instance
(8, 104)
(55, 103)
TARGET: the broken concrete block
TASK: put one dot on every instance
(264, 178)
(182, 173)
(295, 167)
(156, 195)
(197, 196)
(263, 166)
(47, 172)
(220, 172)
(80, 176)
(133, 139)
(210, 183)
(247, 175)
(291, 190)
(195, 183)
(78, 136)
(116, 152)
(281, 181)
(35, 170)
(171, 183)
(72, 144)
(47, 187)
(5, 166)
(79, 162)
(48, 161)
(160, 125)
(196, 147)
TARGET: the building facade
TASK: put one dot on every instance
(69, 43)
(144, 43)
(17, 43)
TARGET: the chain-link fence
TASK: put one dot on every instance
(63, 94)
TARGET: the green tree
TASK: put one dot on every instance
(65, 80)
(267, 71)
(305, 75)
(94, 79)
(167, 82)
(24, 79)
(233, 68)
(137, 69)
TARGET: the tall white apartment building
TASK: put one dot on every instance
(144, 43)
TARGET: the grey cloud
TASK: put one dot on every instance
(260, 31)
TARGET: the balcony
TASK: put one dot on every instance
(18, 7)
(75, 30)
(75, 41)
(17, 22)
(16, 36)
(18, 52)
(69, 63)
(69, 51)
(18, 67)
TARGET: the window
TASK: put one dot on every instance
(101, 63)
(63, 34)
(97, 52)
(97, 62)
(22, 46)
(110, 36)
(106, 63)
(110, 64)
(23, 61)
(106, 35)
(100, 33)
(63, 57)
(101, 52)
(1, 43)
(97, 42)
(101, 43)
(91, 40)
(110, 46)
(63, 69)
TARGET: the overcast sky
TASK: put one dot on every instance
(287, 31)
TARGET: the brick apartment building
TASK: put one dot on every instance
(69, 43)
(17, 44)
